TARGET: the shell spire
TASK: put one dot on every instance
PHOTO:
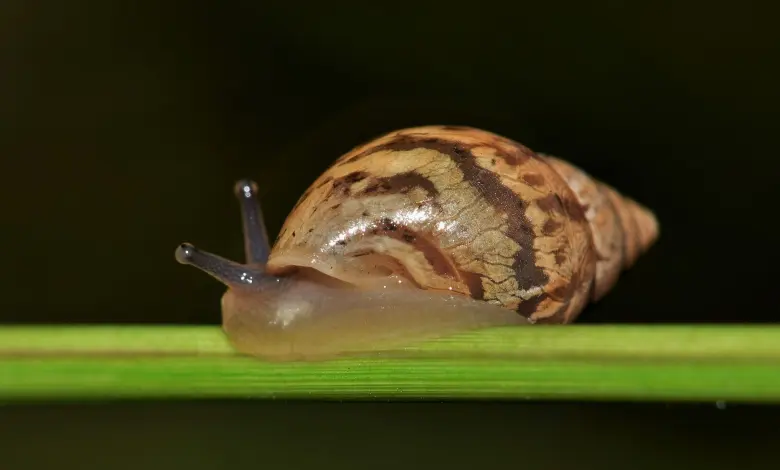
(641, 227)
(622, 229)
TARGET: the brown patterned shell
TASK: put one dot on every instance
(465, 210)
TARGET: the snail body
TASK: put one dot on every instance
(425, 232)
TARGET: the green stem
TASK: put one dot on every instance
(573, 362)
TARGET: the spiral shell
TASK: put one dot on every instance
(468, 211)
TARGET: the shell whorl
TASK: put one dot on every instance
(465, 210)
(621, 228)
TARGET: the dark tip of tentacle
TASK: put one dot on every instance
(184, 253)
(245, 189)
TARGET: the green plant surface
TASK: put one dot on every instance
(582, 362)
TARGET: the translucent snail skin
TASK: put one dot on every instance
(421, 233)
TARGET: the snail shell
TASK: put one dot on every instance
(428, 231)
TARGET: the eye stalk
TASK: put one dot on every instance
(256, 246)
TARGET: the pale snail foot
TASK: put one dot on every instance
(303, 320)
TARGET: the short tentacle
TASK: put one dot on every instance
(227, 272)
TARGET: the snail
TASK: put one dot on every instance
(421, 233)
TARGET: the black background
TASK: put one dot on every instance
(123, 126)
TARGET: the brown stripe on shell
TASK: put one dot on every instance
(439, 261)
(324, 181)
(344, 183)
(534, 179)
(513, 153)
(560, 256)
(550, 227)
(564, 294)
(489, 186)
(530, 306)
(619, 225)
(563, 205)
(401, 183)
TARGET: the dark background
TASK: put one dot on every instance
(123, 126)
